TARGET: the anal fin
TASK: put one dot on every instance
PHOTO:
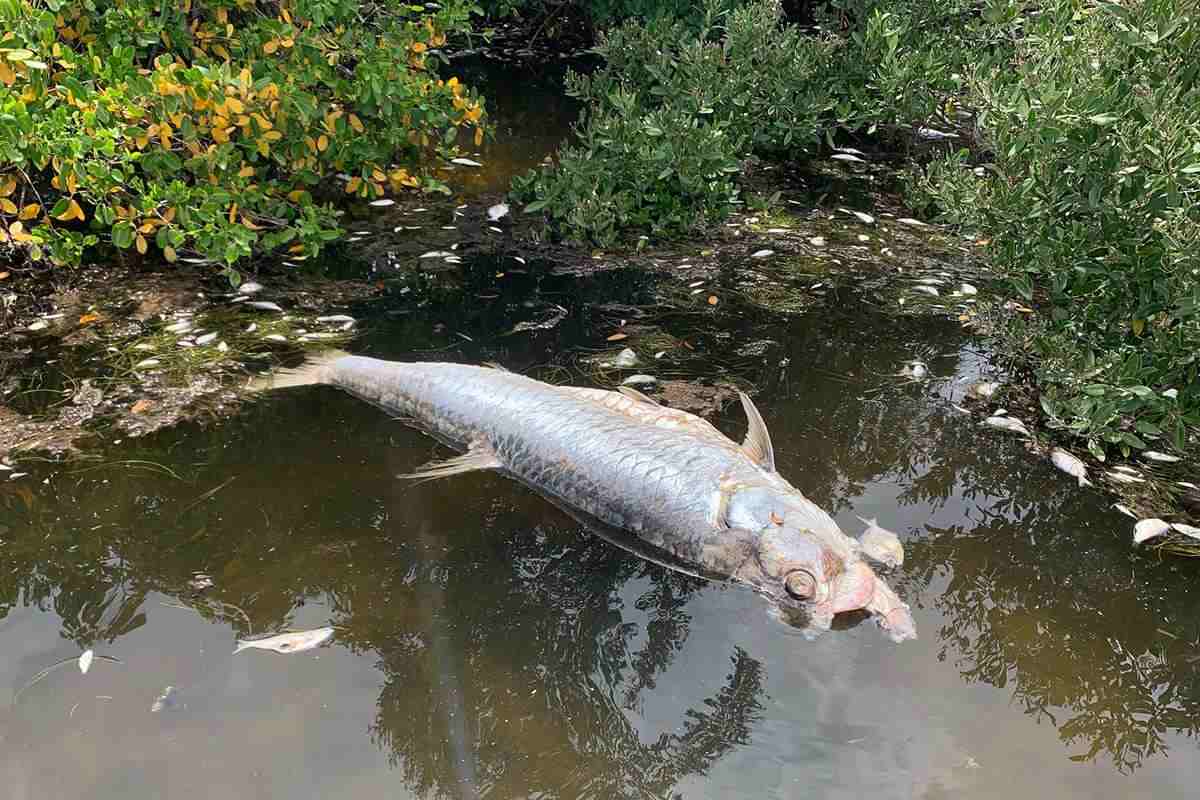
(479, 456)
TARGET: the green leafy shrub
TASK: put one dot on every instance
(210, 127)
(1091, 200)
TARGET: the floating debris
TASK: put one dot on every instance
(295, 642)
(640, 380)
(1154, 455)
(1010, 424)
(626, 359)
(917, 370)
(497, 212)
(465, 162)
(762, 253)
(382, 202)
(85, 661)
(264, 305)
(933, 135)
(1149, 529)
(984, 390)
(880, 544)
(250, 287)
(1070, 464)
(200, 582)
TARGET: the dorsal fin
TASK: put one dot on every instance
(496, 366)
(629, 391)
(757, 444)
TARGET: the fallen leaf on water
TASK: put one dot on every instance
(4, 275)
(141, 406)
(87, 318)
(616, 337)
(712, 300)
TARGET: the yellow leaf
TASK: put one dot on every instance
(169, 214)
(418, 47)
(148, 226)
(7, 76)
(88, 319)
(478, 137)
(246, 222)
(270, 47)
(353, 184)
(220, 135)
(169, 253)
(8, 206)
(18, 234)
(140, 243)
(234, 105)
(322, 143)
(356, 123)
(73, 211)
(30, 211)
(287, 42)
(1138, 326)
(232, 213)
(264, 147)
(296, 248)
(272, 136)
(8, 188)
(246, 171)
(296, 195)
(71, 183)
(283, 12)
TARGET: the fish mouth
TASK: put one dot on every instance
(858, 588)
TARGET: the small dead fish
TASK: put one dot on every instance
(497, 212)
(382, 202)
(147, 362)
(1187, 530)
(85, 661)
(983, 390)
(436, 254)
(206, 338)
(861, 216)
(200, 582)
(929, 290)
(880, 544)
(250, 287)
(465, 162)
(1070, 465)
(222, 347)
(252, 327)
(1154, 455)
(179, 327)
(915, 370)
(264, 305)
(275, 337)
(1124, 509)
(1121, 477)
(1126, 469)
(295, 642)
(968, 289)
(847, 157)
(1010, 424)
(166, 701)
(1149, 529)
(640, 380)
(916, 223)
(336, 318)
(762, 253)
(817, 241)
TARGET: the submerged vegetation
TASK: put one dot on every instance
(212, 128)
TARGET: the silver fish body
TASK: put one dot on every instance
(667, 476)
(1071, 465)
(293, 642)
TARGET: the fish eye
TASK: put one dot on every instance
(801, 584)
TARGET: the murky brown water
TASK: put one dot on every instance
(488, 646)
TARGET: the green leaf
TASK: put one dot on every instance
(122, 235)
(1104, 119)
(1133, 441)
(537, 205)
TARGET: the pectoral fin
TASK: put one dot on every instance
(479, 456)
(757, 444)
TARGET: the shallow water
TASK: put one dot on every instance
(488, 646)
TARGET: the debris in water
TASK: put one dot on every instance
(200, 582)
(41, 324)
(1149, 529)
(762, 253)
(497, 212)
(1070, 465)
(1010, 424)
(984, 390)
(626, 359)
(917, 370)
(295, 642)
(1154, 455)
(465, 162)
(250, 287)
(640, 380)
(382, 202)
(166, 701)
(264, 305)
(85, 661)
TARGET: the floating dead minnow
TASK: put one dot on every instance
(294, 642)
(250, 287)
(1070, 465)
(264, 305)
(465, 162)
(1010, 424)
(859, 215)
(881, 545)
(383, 202)
(497, 212)
(147, 362)
(929, 290)
(436, 254)
(1166, 458)
(206, 338)
(705, 504)
(1186, 530)
(968, 289)
(847, 157)
(1121, 477)
(1149, 529)
(762, 253)
(983, 390)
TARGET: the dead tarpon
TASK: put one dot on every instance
(293, 642)
(668, 477)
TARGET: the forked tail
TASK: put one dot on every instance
(315, 369)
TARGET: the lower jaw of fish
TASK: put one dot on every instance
(854, 589)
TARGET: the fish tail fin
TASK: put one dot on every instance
(241, 645)
(315, 369)
(1083, 481)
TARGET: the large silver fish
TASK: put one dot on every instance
(664, 475)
